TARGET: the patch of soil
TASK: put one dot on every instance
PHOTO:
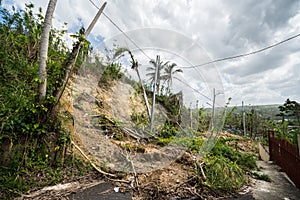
(243, 144)
(181, 179)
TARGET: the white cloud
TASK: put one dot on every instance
(222, 28)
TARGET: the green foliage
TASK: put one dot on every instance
(204, 118)
(140, 119)
(12, 184)
(244, 160)
(225, 167)
(223, 174)
(283, 132)
(289, 128)
(165, 74)
(196, 145)
(233, 119)
(111, 72)
(164, 141)
(172, 105)
(290, 109)
(260, 176)
(133, 148)
(31, 134)
(168, 131)
(85, 49)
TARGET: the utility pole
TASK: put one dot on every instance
(91, 26)
(154, 89)
(74, 55)
(214, 102)
(213, 107)
(244, 118)
(197, 113)
(191, 116)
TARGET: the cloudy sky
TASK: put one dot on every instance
(214, 29)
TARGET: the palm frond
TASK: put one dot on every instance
(177, 71)
(119, 52)
(150, 69)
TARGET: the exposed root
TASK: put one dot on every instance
(91, 162)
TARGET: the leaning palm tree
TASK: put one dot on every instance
(134, 65)
(151, 73)
(169, 72)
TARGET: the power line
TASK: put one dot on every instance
(133, 42)
(94, 4)
(193, 88)
(244, 55)
(125, 34)
(207, 63)
(144, 52)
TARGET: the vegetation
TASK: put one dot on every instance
(111, 72)
(260, 176)
(290, 110)
(223, 174)
(31, 134)
(165, 73)
(288, 128)
(226, 168)
(34, 142)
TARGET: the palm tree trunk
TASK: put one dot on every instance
(44, 49)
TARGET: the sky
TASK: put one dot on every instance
(192, 32)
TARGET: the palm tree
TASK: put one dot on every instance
(151, 73)
(170, 71)
(44, 49)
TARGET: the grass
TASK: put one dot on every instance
(223, 174)
(260, 176)
(225, 167)
(14, 184)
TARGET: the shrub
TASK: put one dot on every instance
(222, 173)
(111, 72)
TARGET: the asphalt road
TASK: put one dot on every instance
(102, 191)
(280, 188)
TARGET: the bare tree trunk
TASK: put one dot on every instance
(44, 49)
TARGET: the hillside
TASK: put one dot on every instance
(266, 111)
(107, 133)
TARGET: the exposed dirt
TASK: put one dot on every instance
(243, 144)
(176, 178)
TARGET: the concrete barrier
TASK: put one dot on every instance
(263, 152)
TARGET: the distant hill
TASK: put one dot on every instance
(266, 111)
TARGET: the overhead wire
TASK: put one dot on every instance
(244, 55)
(186, 84)
(123, 32)
(206, 63)
(137, 46)
(198, 65)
